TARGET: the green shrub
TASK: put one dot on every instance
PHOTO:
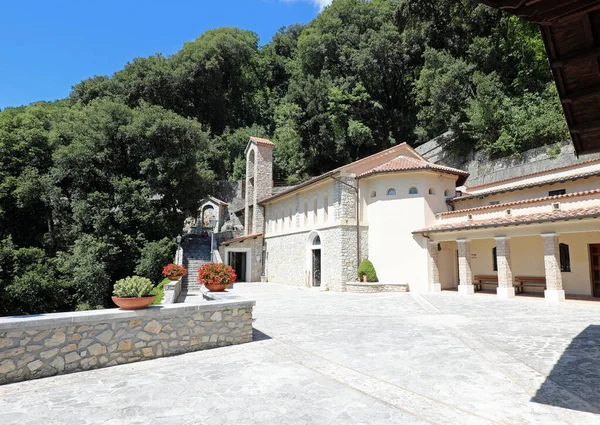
(159, 291)
(367, 268)
(133, 287)
(153, 256)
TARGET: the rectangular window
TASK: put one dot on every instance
(305, 212)
(495, 257)
(494, 202)
(565, 257)
(557, 192)
(315, 210)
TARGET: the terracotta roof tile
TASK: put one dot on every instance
(528, 185)
(524, 201)
(579, 213)
(261, 141)
(241, 238)
(564, 167)
(406, 163)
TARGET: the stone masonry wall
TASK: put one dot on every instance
(33, 347)
(287, 261)
(374, 288)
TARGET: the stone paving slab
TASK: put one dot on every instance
(338, 358)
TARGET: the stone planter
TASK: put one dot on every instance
(133, 303)
(216, 287)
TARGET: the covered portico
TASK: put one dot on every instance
(554, 257)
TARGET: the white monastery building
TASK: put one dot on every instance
(421, 227)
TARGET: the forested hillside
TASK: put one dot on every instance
(94, 187)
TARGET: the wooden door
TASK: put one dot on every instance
(595, 269)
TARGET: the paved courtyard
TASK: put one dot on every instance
(339, 358)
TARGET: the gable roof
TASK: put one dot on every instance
(261, 141)
(405, 163)
(417, 157)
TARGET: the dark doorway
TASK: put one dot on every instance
(595, 268)
(237, 260)
(316, 262)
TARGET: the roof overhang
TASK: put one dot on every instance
(570, 32)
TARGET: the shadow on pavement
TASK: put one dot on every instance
(259, 336)
(578, 372)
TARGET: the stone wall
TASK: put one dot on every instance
(255, 253)
(172, 292)
(375, 287)
(38, 346)
(288, 259)
(483, 170)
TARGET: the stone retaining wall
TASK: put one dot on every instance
(375, 287)
(172, 292)
(37, 346)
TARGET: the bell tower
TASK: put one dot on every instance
(259, 182)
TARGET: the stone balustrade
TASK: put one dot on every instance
(43, 345)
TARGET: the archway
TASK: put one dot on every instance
(314, 257)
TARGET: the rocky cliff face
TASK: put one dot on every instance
(483, 170)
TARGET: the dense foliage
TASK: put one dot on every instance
(94, 188)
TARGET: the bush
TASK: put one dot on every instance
(216, 274)
(153, 256)
(133, 287)
(367, 268)
(174, 270)
(159, 291)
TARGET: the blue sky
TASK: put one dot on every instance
(48, 46)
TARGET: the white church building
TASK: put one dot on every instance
(421, 227)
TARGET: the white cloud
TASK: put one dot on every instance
(321, 4)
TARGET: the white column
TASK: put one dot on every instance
(434, 270)
(505, 276)
(554, 290)
(464, 267)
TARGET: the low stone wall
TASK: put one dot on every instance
(172, 292)
(37, 346)
(375, 287)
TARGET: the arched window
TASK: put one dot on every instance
(565, 257)
(391, 192)
(326, 208)
(431, 191)
(413, 191)
(282, 218)
(291, 218)
(447, 193)
(373, 194)
(495, 258)
(275, 222)
(315, 209)
(317, 240)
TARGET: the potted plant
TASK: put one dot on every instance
(174, 271)
(133, 293)
(216, 277)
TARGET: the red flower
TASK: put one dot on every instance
(173, 270)
(216, 273)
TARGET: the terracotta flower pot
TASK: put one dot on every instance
(134, 303)
(175, 278)
(216, 287)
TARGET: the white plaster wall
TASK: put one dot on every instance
(448, 271)
(578, 280)
(397, 254)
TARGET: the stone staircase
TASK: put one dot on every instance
(190, 281)
(196, 253)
